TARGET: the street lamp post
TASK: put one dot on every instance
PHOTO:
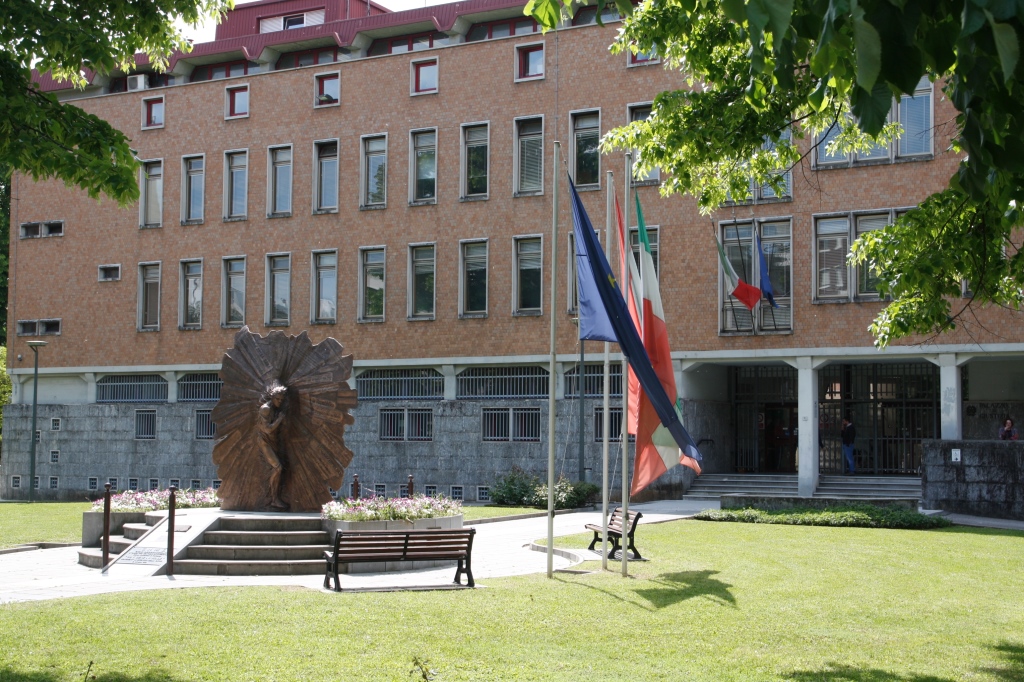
(35, 346)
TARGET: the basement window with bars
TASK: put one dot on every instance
(199, 388)
(456, 492)
(133, 484)
(195, 484)
(400, 384)
(145, 424)
(380, 490)
(502, 382)
(154, 484)
(593, 381)
(517, 424)
(615, 425)
(113, 483)
(131, 388)
(94, 483)
(406, 424)
(430, 490)
(205, 428)
(54, 456)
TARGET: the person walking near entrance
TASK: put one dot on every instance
(849, 434)
(1006, 431)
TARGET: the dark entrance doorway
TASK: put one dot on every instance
(765, 407)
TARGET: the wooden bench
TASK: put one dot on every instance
(615, 532)
(367, 546)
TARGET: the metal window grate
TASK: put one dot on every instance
(216, 484)
(145, 425)
(94, 483)
(154, 484)
(430, 490)
(53, 482)
(502, 382)
(54, 456)
(456, 492)
(199, 388)
(502, 424)
(420, 425)
(113, 483)
(593, 381)
(55, 424)
(391, 425)
(133, 484)
(526, 424)
(400, 384)
(195, 484)
(380, 490)
(405, 424)
(483, 493)
(205, 428)
(131, 388)
(15, 481)
(174, 483)
(495, 427)
(615, 430)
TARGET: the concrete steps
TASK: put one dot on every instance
(258, 545)
(875, 487)
(130, 533)
(713, 486)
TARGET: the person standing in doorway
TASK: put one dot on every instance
(849, 434)
(1006, 431)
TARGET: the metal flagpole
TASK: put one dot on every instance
(552, 369)
(606, 426)
(627, 253)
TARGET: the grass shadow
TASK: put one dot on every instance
(835, 672)
(12, 675)
(977, 530)
(678, 587)
(1013, 669)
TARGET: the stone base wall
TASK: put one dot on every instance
(987, 481)
(98, 441)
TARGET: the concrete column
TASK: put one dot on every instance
(90, 387)
(17, 392)
(448, 371)
(677, 369)
(172, 386)
(807, 412)
(559, 380)
(951, 397)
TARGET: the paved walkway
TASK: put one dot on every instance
(500, 549)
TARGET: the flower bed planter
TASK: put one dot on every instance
(331, 526)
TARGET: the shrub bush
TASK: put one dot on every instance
(154, 500)
(568, 495)
(853, 515)
(516, 488)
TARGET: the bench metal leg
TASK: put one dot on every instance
(597, 536)
(632, 547)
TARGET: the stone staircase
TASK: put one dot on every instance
(874, 487)
(258, 545)
(713, 486)
(93, 556)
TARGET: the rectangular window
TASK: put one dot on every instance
(195, 484)
(35, 483)
(55, 424)
(94, 483)
(475, 160)
(31, 231)
(153, 112)
(406, 424)
(53, 482)
(430, 490)
(205, 428)
(530, 61)
(424, 77)
(642, 113)
(280, 191)
(915, 115)
(391, 425)
(520, 424)
(529, 173)
(49, 327)
(294, 21)
(424, 148)
(586, 154)
(149, 299)
(421, 265)
(483, 493)
(326, 294)
(641, 58)
(54, 229)
(653, 236)
(867, 281)
(832, 246)
(237, 102)
(38, 435)
(28, 327)
(326, 176)
(328, 89)
(372, 294)
(740, 247)
(234, 291)
(375, 170)
(36, 230)
(279, 279)
(237, 184)
(154, 484)
(191, 294)
(145, 425)
(109, 273)
(15, 481)
(152, 194)
(528, 275)
(172, 483)
(474, 278)
(133, 484)
(456, 492)
(215, 484)
(54, 456)
(113, 483)
(380, 490)
(192, 199)
(737, 243)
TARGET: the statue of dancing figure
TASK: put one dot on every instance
(268, 425)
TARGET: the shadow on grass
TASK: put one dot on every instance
(1013, 667)
(677, 587)
(11, 675)
(975, 530)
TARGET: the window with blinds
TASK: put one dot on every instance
(832, 245)
(915, 115)
(867, 280)
(529, 155)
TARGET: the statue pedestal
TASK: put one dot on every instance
(388, 566)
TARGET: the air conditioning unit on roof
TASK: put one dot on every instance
(137, 82)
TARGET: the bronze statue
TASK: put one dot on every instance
(281, 422)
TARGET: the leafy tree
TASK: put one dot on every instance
(760, 68)
(44, 138)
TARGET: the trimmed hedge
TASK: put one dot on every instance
(852, 515)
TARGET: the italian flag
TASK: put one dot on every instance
(744, 293)
(656, 449)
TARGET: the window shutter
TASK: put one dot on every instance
(915, 115)
(271, 25)
(530, 155)
(314, 17)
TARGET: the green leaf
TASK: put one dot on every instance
(871, 108)
(817, 98)
(869, 53)
(780, 13)
(735, 10)
(972, 19)
(757, 14)
(1006, 46)
(546, 12)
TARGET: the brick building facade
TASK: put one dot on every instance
(386, 179)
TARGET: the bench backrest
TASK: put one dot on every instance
(615, 520)
(403, 544)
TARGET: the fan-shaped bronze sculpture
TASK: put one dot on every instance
(281, 422)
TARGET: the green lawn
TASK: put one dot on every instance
(21, 522)
(715, 602)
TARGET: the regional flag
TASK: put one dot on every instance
(625, 332)
(740, 290)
